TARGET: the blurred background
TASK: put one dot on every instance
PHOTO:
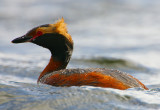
(115, 34)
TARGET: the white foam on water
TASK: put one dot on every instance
(147, 96)
(149, 59)
(149, 79)
(18, 60)
(14, 80)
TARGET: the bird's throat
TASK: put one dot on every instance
(56, 63)
(53, 65)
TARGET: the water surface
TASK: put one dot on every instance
(117, 34)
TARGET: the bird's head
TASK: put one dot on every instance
(51, 36)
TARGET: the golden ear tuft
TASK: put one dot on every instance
(60, 26)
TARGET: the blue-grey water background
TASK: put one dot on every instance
(115, 34)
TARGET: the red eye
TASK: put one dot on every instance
(39, 33)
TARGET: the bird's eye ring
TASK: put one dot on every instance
(39, 33)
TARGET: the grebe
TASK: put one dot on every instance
(55, 37)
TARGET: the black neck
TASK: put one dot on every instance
(61, 48)
(61, 56)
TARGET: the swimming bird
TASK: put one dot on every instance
(55, 37)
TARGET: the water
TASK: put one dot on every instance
(117, 34)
